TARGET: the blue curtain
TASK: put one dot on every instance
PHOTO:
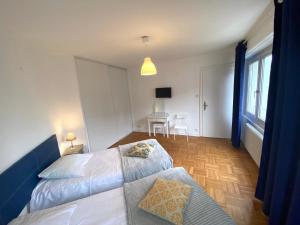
(279, 175)
(240, 53)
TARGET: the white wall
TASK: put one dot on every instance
(261, 33)
(259, 37)
(105, 102)
(38, 96)
(183, 75)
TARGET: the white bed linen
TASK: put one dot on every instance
(50, 216)
(103, 172)
(107, 208)
(63, 168)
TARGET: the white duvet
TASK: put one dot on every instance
(107, 208)
(103, 172)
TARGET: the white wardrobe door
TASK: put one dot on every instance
(121, 100)
(97, 105)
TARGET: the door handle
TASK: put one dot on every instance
(204, 105)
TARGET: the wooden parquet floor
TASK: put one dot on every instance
(228, 175)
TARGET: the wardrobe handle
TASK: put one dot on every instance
(204, 105)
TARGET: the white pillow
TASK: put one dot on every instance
(54, 216)
(69, 166)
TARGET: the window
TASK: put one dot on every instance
(264, 86)
(252, 87)
(258, 70)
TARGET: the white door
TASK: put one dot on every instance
(216, 102)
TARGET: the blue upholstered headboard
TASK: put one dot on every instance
(19, 180)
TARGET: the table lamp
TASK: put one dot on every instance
(71, 137)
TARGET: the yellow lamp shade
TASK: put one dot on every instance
(71, 137)
(148, 67)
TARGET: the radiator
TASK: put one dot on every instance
(253, 142)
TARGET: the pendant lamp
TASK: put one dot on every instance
(148, 67)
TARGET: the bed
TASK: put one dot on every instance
(123, 208)
(18, 181)
(103, 173)
(106, 170)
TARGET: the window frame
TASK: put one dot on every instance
(254, 118)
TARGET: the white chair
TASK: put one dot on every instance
(180, 124)
(159, 126)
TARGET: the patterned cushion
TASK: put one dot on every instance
(167, 199)
(140, 150)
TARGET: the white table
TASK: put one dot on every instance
(158, 118)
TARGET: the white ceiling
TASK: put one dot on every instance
(109, 30)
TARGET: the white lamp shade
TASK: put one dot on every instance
(70, 137)
(148, 67)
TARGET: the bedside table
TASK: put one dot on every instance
(77, 149)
